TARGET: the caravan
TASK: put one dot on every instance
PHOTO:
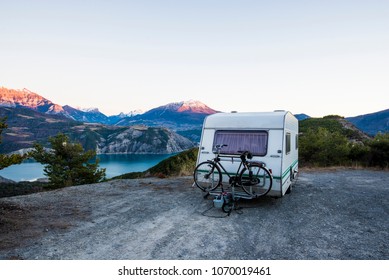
(271, 137)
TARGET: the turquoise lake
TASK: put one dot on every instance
(115, 165)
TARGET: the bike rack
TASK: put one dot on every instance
(232, 188)
(236, 194)
(226, 198)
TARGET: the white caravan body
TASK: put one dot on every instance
(272, 138)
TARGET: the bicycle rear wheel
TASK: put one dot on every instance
(207, 176)
(256, 180)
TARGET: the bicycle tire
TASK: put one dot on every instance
(256, 180)
(207, 176)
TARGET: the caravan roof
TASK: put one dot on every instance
(264, 120)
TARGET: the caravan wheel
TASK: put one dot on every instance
(289, 190)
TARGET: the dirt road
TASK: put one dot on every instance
(329, 215)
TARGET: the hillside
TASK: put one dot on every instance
(334, 124)
(334, 141)
(181, 164)
(143, 140)
(26, 126)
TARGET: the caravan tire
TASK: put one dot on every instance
(289, 190)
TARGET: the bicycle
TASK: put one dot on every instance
(253, 177)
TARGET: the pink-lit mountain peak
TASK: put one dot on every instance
(193, 106)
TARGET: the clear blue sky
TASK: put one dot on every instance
(313, 57)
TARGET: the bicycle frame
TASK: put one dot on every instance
(232, 179)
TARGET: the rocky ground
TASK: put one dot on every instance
(330, 214)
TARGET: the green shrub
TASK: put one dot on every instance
(320, 147)
(359, 154)
(379, 150)
(179, 165)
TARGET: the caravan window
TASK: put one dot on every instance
(242, 140)
(297, 141)
(288, 144)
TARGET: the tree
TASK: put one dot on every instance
(67, 164)
(7, 160)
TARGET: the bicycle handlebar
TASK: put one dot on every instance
(220, 146)
(245, 154)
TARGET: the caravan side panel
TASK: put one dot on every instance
(273, 159)
(290, 153)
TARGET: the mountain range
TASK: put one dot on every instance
(32, 117)
(166, 129)
(190, 112)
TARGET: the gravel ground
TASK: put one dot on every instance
(330, 214)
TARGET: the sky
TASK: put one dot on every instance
(312, 57)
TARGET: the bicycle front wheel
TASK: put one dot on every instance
(256, 180)
(207, 176)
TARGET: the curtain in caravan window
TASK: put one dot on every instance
(253, 141)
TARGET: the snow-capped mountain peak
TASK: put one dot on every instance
(89, 110)
(195, 106)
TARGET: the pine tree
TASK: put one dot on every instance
(67, 164)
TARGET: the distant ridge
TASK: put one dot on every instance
(88, 116)
(301, 117)
(372, 123)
